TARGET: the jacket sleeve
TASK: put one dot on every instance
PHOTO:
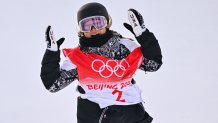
(151, 51)
(53, 77)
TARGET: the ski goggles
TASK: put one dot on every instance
(99, 22)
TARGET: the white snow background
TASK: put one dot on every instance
(184, 90)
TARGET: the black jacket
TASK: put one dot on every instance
(55, 78)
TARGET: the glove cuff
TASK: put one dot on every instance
(143, 37)
(139, 31)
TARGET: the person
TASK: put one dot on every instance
(104, 63)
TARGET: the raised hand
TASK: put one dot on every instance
(136, 21)
(52, 44)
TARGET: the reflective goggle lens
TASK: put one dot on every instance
(99, 22)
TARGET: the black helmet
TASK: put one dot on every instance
(92, 9)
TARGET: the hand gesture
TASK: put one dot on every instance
(136, 21)
(52, 44)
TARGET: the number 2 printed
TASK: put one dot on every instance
(120, 93)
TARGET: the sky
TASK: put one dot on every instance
(183, 90)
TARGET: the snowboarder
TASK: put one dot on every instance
(104, 63)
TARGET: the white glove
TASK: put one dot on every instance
(52, 44)
(136, 21)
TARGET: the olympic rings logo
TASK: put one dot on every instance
(109, 68)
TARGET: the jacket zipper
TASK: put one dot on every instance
(102, 115)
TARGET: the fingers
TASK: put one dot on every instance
(51, 35)
(47, 29)
(133, 10)
(52, 44)
(138, 16)
(47, 33)
(134, 22)
(133, 19)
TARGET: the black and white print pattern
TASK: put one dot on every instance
(66, 78)
(115, 49)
